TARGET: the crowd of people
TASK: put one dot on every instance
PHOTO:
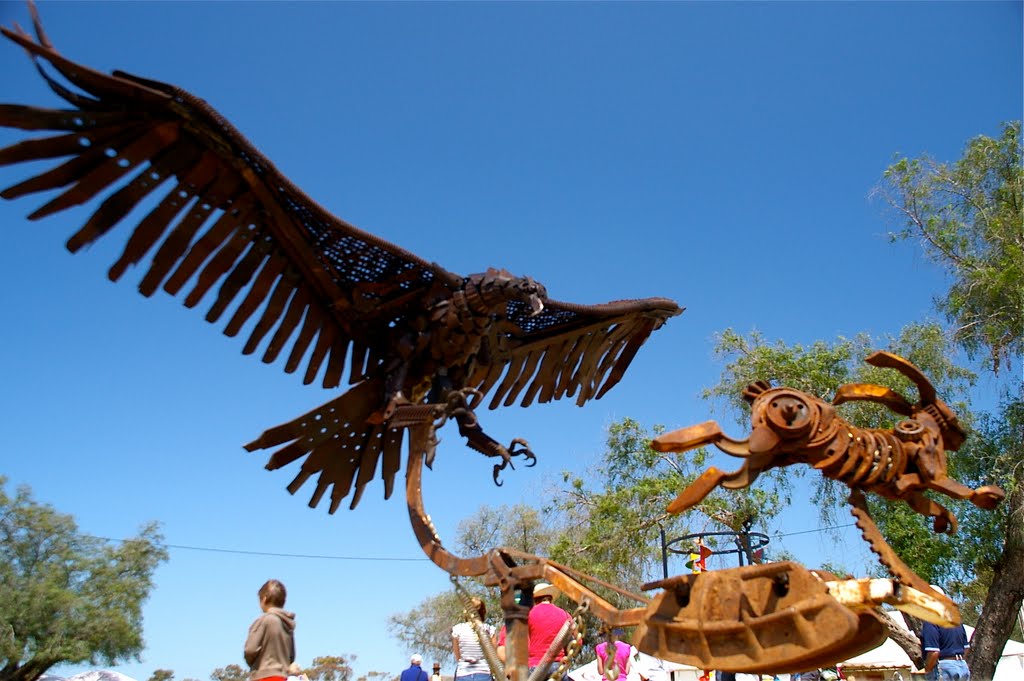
(270, 645)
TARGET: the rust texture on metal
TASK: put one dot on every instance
(778, 618)
(790, 426)
(508, 570)
(339, 303)
(762, 618)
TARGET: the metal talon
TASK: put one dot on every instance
(524, 451)
(498, 468)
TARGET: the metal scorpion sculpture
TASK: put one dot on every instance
(790, 426)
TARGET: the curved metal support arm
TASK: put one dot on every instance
(419, 438)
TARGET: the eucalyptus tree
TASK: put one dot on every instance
(68, 598)
(967, 215)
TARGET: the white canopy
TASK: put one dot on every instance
(100, 675)
(649, 667)
(890, 656)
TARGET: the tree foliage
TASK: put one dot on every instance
(820, 369)
(625, 495)
(967, 216)
(427, 627)
(231, 672)
(331, 668)
(68, 597)
(162, 675)
(379, 676)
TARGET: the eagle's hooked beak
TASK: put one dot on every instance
(536, 305)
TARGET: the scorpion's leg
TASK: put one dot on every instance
(691, 437)
(708, 481)
(945, 521)
(987, 496)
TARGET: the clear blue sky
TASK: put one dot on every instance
(719, 154)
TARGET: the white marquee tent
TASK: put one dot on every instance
(887, 656)
(653, 669)
(890, 656)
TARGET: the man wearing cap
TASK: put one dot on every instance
(943, 650)
(415, 672)
(545, 623)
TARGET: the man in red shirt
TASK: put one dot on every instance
(546, 623)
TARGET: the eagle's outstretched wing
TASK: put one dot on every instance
(567, 349)
(223, 217)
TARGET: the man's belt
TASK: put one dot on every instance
(952, 657)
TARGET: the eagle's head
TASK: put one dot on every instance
(522, 289)
(530, 292)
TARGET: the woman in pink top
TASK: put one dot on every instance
(613, 656)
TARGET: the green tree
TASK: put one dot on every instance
(331, 668)
(627, 492)
(820, 369)
(231, 672)
(378, 676)
(162, 675)
(68, 597)
(427, 627)
(968, 217)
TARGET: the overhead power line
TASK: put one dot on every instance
(315, 556)
(210, 549)
(820, 529)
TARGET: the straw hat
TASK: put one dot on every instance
(542, 589)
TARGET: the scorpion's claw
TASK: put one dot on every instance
(987, 497)
(945, 523)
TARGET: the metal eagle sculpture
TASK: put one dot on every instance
(226, 224)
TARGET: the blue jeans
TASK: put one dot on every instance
(949, 670)
(479, 676)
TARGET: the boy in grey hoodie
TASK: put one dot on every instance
(270, 646)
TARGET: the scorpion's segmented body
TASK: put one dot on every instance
(886, 462)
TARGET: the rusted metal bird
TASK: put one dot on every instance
(325, 292)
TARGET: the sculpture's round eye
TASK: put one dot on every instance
(908, 429)
(789, 415)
